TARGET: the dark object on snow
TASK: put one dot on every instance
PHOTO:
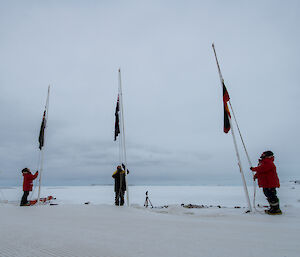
(161, 207)
(297, 181)
(189, 206)
(87, 203)
(147, 201)
(266, 206)
(237, 207)
(203, 206)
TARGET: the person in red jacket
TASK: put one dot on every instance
(27, 184)
(267, 179)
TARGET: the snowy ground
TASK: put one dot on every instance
(101, 229)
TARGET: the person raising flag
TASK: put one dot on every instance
(120, 184)
(268, 179)
(27, 185)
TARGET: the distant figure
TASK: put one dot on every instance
(120, 185)
(267, 179)
(27, 184)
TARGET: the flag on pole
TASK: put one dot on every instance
(42, 131)
(227, 115)
(117, 125)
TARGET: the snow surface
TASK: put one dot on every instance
(73, 228)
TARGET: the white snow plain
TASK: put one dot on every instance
(100, 229)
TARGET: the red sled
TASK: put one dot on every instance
(32, 202)
(42, 200)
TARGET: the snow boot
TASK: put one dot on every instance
(25, 204)
(117, 203)
(273, 211)
(122, 201)
(122, 198)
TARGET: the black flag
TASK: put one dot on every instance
(42, 131)
(117, 125)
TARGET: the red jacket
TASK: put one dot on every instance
(266, 173)
(28, 178)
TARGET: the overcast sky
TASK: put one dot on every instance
(171, 89)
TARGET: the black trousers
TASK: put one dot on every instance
(272, 198)
(119, 198)
(24, 198)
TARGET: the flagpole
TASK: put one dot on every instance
(42, 150)
(123, 137)
(248, 158)
(240, 166)
(249, 161)
(234, 139)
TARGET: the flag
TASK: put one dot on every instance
(42, 131)
(227, 115)
(117, 125)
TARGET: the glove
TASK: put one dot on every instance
(251, 168)
(124, 167)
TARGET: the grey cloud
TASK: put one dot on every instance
(172, 95)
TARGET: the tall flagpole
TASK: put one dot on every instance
(42, 150)
(248, 158)
(234, 139)
(240, 166)
(123, 137)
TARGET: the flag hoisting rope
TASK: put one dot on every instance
(247, 155)
(42, 141)
(228, 126)
(120, 129)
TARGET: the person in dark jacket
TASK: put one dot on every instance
(268, 179)
(27, 184)
(120, 185)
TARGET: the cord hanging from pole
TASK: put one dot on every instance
(36, 181)
(41, 140)
(123, 136)
(248, 158)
